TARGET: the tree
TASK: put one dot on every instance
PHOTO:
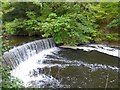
(68, 23)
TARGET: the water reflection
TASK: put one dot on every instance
(12, 41)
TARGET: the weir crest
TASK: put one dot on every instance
(15, 56)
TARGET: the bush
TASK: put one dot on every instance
(112, 37)
(9, 81)
(70, 29)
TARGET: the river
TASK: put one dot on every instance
(65, 67)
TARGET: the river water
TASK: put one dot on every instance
(66, 67)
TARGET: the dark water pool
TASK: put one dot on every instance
(80, 69)
(69, 68)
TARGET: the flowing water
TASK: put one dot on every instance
(15, 56)
(88, 66)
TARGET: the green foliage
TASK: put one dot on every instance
(68, 23)
(9, 81)
(114, 24)
(112, 37)
(23, 27)
(19, 10)
(68, 29)
(104, 11)
(12, 27)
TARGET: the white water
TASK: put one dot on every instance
(23, 69)
(98, 47)
(15, 56)
(102, 48)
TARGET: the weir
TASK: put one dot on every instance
(43, 65)
(15, 56)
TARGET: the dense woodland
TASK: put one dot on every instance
(69, 23)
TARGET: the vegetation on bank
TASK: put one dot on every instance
(69, 23)
(9, 81)
(6, 80)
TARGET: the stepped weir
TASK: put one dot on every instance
(15, 56)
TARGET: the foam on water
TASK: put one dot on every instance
(101, 48)
(23, 69)
(98, 47)
(15, 56)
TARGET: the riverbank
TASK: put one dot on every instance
(115, 44)
(52, 66)
(24, 38)
(113, 51)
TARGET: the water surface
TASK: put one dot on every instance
(66, 68)
(69, 68)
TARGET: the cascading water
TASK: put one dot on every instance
(47, 66)
(21, 53)
(68, 68)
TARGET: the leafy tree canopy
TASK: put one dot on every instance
(69, 23)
